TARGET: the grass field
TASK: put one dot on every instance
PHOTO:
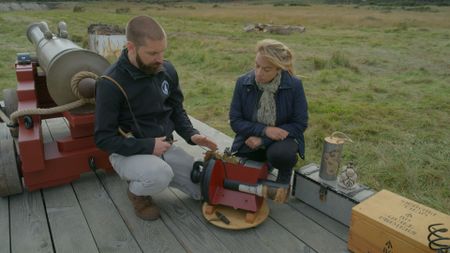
(380, 75)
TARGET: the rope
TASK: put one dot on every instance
(346, 138)
(76, 80)
(62, 108)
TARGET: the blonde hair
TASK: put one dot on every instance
(277, 53)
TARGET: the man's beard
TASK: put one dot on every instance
(149, 69)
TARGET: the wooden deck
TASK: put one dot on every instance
(93, 214)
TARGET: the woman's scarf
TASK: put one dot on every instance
(267, 110)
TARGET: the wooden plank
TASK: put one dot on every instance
(69, 228)
(333, 226)
(4, 226)
(306, 229)
(225, 141)
(58, 128)
(267, 237)
(29, 228)
(152, 236)
(107, 226)
(188, 229)
(46, 135)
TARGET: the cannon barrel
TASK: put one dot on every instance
(61, 60)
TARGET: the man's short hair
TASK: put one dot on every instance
(141, 28)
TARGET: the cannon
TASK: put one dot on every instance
(58, 82)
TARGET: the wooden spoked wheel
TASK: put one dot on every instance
(10, 181)
(11, 105)
(11, 101)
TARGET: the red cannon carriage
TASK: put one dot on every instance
(47, 87)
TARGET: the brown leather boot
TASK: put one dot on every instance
(144, 207)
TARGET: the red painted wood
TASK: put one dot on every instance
(80, 125)
(222, 171)
(61, 161)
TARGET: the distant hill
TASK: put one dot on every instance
(391, 2)
(287, 2)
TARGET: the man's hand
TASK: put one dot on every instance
(276, 133)
(204, 141)
(161, 146)
(253, 142)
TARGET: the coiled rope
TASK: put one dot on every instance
(62, 108)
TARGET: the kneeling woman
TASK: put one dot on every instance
(269, 111)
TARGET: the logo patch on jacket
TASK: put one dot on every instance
(165, 87)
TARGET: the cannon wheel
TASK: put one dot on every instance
(11, 101)
(10, 181)
(11, 105)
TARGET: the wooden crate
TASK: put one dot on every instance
(387, 222)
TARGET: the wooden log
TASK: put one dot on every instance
(275, 29)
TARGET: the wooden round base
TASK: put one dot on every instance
(238, 219)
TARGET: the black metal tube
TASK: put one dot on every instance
(231, 185)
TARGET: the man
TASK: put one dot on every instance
(138, 106)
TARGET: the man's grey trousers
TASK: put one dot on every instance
(150, 174)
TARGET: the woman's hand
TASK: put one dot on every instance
(204, 141)
(253, 142)
(276, 133)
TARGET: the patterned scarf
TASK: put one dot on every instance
(267, 110)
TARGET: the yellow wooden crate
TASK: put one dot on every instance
(387, 222)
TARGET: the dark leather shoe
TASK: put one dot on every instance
(144, 207)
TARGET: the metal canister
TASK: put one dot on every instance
(331, 157)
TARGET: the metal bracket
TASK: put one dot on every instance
(92, 165)
(323, 193)
(28, 121)
(23, 58)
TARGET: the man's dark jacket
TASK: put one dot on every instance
(292, 111)
(156, 101)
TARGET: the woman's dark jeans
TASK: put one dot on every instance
(281, 155)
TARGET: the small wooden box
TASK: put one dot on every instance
(387, 222)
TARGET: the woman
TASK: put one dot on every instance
(269, 111)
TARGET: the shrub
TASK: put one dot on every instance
(122, 10)
(78, 9)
